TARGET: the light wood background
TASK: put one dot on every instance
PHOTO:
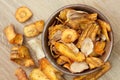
(42, 9)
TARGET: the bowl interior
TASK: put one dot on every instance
(50, 21)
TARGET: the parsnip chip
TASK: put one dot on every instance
(30, 30)
(37, 74)
(39, 25)
(69, 35)
(94, 32)
(95, 75)
(18, 39)
(87, 46)
(10, 33)
(83, 36)
(51, 72)
(105, 28)
(94, 62)
(92, 16)
(78, 66)
(21, 74)
(66, 51)
(63, 14)
(36, 46)
(23, 14)
(22, 56)
(99, 47)
(62, 60)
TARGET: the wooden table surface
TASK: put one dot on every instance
(42, 9)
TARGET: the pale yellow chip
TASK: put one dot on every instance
(9, 32)
(23, 14)
(39, 25)
(69, 35)
(30, 30)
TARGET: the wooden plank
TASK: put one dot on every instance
(42, 9)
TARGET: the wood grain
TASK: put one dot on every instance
(42, 9)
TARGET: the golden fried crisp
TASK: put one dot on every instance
(94, 32)
(66, 51)
(83, 36)
(30, 30)
(105, 28)
(34, 29)
(76, 23)
(23, 14)
(62, 60)
(37, 74)
(39, 25)
(67, 66)
(94, 62)
(49, 70)
(95, 75)
(69, 35)
(9, 32)
(99, 47)
(55, 31)
(21, 74)
(21, 56)
(63, 14)
(92, 16)
(18, 39)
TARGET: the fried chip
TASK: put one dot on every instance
(30, 30)
(83, 36)
(66, 51)
(69, 35)
(95, 75)
(94, 32)
(9, 32)
(99, 47)
(92, 16)
(21, 74)
(22, 56)
(23, 14)
(39, 25)
(105, 28)
(62, 60)
(63, 14)
(94, 62)
(34, 29)
(37, 74)
(51, 72)
(18, 39)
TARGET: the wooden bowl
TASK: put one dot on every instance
(45, 40)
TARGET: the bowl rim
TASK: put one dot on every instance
(73, 6)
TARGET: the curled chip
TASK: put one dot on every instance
(18, 39)
(12, 36)
(37, 74)
(69, 35)
(30, 30)
(49, 70)
(94, 62)
(63, 14)
(105, 28)
(21, 56)
(34, 29)
(95, 75)
(23, 14)
(39, 25)
(66, 51)
(10, 33)
(62, 60)
(21, 74)
(99, 47)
